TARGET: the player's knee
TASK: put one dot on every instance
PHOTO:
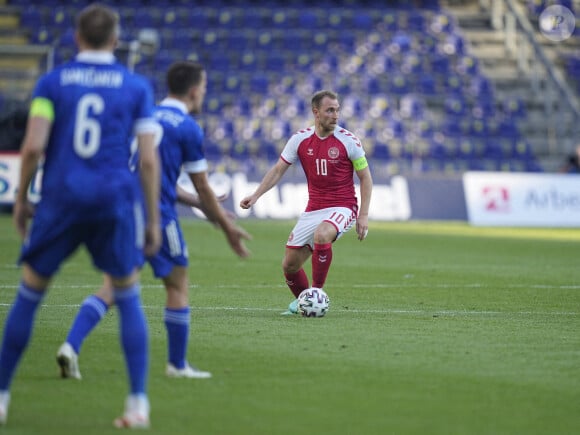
(325, 233)
(290, 266)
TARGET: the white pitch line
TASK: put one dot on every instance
(363, 286)
(448, 313)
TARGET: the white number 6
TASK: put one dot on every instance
(88, 130)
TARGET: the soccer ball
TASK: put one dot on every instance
(313, 302)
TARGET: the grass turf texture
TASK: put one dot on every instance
(434, 328)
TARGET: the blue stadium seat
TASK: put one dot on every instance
(232, 84)
(362, 20)
(248, 62)
(399, 84)
(42, 35)
(468, 65)
(255, 18)
(478, 128)
(311, 18)
(401, 42)
(220, 61)
(453, 85)
(282, 18)
(163, 59)
(481, 86)
(182, 39)
(381, 151)
(412, 106)
(213, 152)
(259, 83)
(416, 21)
(31, 18)
(67, 40)
(427, 85)
(412, 63)
(484, 108)
(147, 17)
(380, 106)
(240, 151)
(231, 18)
(390, 21)
(440, 63)
(439, 150)
(269, 151)
(200, 18)
(336, 19)
(61, 18)
(514, 107)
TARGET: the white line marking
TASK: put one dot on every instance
(442, 313)
(377, 286)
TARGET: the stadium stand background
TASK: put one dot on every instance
(429, 86)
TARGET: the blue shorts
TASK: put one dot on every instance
(173, 251)
(113, 238)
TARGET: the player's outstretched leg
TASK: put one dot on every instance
(296, 282)
(136, 414)
(68, 361)
(177, 326)
(134, 341)
(17, 333)
(92, 310)
(321, 260)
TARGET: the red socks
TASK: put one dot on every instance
(321, 259)
(297, 282)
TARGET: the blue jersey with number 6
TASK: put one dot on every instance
(97, 106)
(89, 195)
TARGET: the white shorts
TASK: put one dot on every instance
(303, 233)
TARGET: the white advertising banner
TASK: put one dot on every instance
(522, 199)
(9, 175)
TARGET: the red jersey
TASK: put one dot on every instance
(327, 164)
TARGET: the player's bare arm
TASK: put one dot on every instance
(35, 140)
(366, 187)
(215, 213)
(150, 180)
(271, 178)
(192, 200)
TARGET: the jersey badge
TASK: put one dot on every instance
(333, 152)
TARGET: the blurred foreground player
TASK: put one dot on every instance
(180, 149)
(83, 117)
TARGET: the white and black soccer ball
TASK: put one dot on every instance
(313, 302)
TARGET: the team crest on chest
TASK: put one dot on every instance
(333, 152)
(310, 152)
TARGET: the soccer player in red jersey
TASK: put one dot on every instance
(329, 154)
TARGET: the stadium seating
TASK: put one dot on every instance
(405, 70)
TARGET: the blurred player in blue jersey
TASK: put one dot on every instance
(180, 149)
(83, 117)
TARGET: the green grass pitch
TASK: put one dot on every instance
(434, 328)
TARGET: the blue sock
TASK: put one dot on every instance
(91, 312)
(134, 336)
(177, 325)
(17, 332)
